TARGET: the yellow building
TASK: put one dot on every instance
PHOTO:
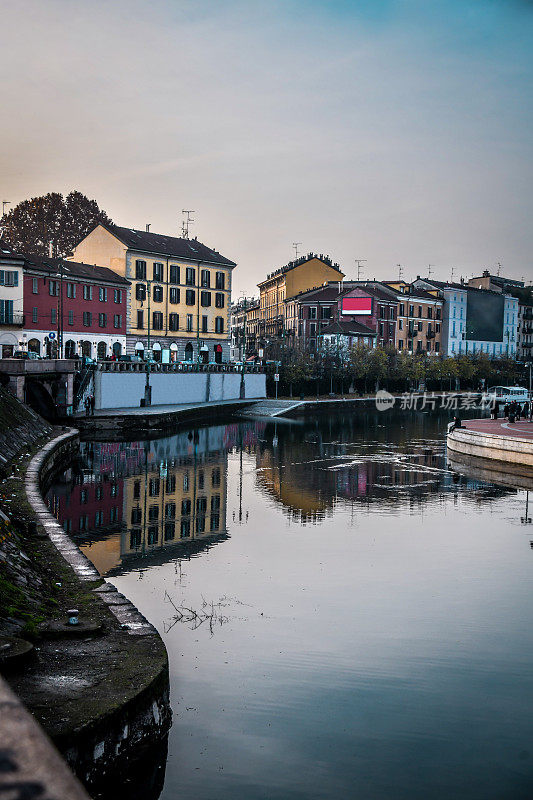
(308, 272)
(180, 295)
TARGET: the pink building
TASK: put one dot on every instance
(73, 309)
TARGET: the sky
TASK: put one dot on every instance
(392, 131)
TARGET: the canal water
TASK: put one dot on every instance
(344, 616)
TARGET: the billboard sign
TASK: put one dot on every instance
(356, 305)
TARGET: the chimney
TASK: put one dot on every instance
(148, 227)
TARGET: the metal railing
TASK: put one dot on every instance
(139, 366)
(11, 318)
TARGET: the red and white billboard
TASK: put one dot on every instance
(357, 305)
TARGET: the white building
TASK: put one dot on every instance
(11, 302)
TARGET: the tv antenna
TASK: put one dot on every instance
(400, 271)
(4, 204)
(429, 269)
(358, 262)
(499, 268)
(186, 221)
(295, 245)
(451, 276)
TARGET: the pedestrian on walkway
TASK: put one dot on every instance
(525, 410)
(92, 402)
(87, 404)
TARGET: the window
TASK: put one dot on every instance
(87, 292)
(200, 524)
(158, 271)
(419, 311)
(402, 310)
(102, 294)
(205, 299)
(117, 320)
(117, 295)
(220, 280)
(437, 312)
(219, 324)
(215, 502)
(99, 493)
(170, 530)
(136, 490)
(185, 528)
(215, 522)
(136, 516)
(420, 326)
(382, 312)
(153, 513)
(219, 300)
(205, 278)
(186, 482)
(135, 539)
(189, 322)
(215, 478)
(190, 276)
(153, 534)
(201, 505)
(140, 270)
(53, 316)
(140, 319)
(84, 496)
(71, 290)
(437, 347)
(170, 510)
(437, 327)
(185, 507)
(430, 312)
(140, 291)
(325, 312)
(53, 288)
(400, 324)
(174, 274)
(35, 285)
(400, 344)
(87, 319)
(113, 490)
(312, 329)
(174, 322)
(201, 480)
(411, 311)
(204, 324)
(102, 320)
(35, 315)
(174, 295)
(158, 321)
(190, 297)
(158, 294)
(171, 484)
(312, 312)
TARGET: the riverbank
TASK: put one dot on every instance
(509, 446)
(100, 690)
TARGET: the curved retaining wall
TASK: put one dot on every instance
(116, 731)
(505, 449)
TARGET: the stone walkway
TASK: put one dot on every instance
(165, 409)
(501, 427)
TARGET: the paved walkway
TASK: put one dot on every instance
(501, 427)
(166, 409)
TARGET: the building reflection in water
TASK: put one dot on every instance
(125, 501)
(128, 501)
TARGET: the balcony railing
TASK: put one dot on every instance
(13, 318)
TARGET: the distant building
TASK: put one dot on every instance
(243, 329)
(475, 320)
(524, 339)
(373, 305)
(180, 296)
(419, 317)
(277, 315)
(497, 283)
(11, 302)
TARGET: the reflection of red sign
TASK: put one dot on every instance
(357, 305)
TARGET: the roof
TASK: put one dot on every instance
(7, 252)
(298, 263)
(383, 293)
(74, 269)
(328, 293)
(148, 242)
(348, 328)
(414, 293)
(465, 287)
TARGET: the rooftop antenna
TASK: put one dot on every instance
(186, 221)
(295, 245)
(359, 261)
(499, 268)
(4, 204)
(451, 277)
(400, 272)
(429, 269)
(148, 227)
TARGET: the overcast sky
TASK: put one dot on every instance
(396, 131)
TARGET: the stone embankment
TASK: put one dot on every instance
(99, 690)
(508, 446)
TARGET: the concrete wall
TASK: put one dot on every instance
(125, 389)
(505, 449)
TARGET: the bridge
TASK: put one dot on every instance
(29, 379)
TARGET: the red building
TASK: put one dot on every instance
(73, 309)
(372, 306)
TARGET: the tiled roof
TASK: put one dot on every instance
(413, 293)
(384, 293)
(327, 293)
(159, 243)
(74, 269)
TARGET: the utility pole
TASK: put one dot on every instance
(186, 221)
(295, 245)
(358, 262)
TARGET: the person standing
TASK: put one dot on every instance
(92, 403)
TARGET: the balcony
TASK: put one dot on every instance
(15, 318)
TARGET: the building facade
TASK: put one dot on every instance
(475, 320)
(180, 299)
(419, 319)
(74, 309)
(372, 305)
(524, 339)
(11, 302)
(243, 329)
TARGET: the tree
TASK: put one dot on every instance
(51, 224)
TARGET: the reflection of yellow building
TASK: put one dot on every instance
(176, 504)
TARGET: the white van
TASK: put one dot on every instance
(506, 394)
